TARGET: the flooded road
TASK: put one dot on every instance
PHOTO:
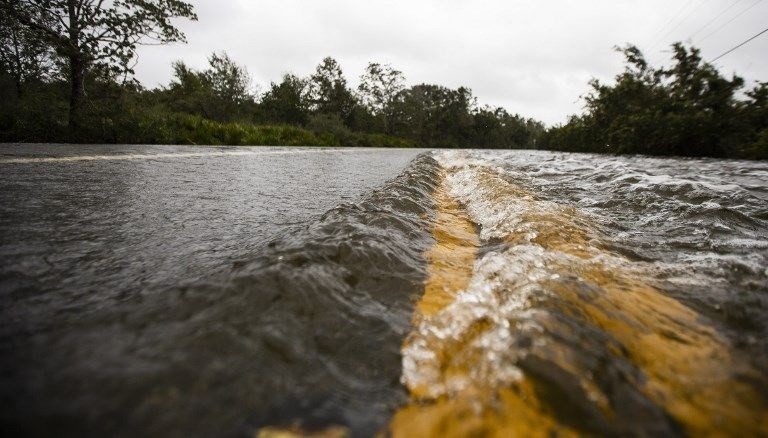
(128, 218)
(239, 291)
(88, 233)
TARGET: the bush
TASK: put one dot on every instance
(759, 149)
(330, 124)
(188, 129)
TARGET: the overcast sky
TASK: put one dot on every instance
(532, 57)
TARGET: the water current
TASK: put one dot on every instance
(477, 293)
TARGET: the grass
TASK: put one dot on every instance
(164, 128)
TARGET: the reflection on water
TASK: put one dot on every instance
(477, 293)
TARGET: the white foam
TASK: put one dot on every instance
(500, 293)
(76, 158)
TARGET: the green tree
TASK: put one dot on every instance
(229, 81)
(703, 102)
(329, 91)
(220, 92)
(686, 109)
(436, 116)
(189, 91)
(380, 88)
(24, 56)
(288, 101)
(755, 111)
(495, 128)
(96, 32)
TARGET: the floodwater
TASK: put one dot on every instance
(252, 291)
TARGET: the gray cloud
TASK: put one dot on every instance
(532, 57)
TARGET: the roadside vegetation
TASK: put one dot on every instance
(66, 75)
(216, 106)
(687, 109)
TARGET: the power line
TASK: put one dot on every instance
(723, 12)
(654, 40)
(680, 23)
(736, 47)
(743, 11)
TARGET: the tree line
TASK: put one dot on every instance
(323, 102)
(686, 109)
(66, 74)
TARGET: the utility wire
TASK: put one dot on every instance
(680, 23)
(723, 12)
(743, 11)
(654, 40)
(736, 47)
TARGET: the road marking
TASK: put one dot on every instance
(485, 313)
(28, 160)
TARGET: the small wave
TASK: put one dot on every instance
(553, 332)
(330, 304)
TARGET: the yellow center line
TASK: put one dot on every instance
(516, 410)
(689, 369)
(451, 258)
